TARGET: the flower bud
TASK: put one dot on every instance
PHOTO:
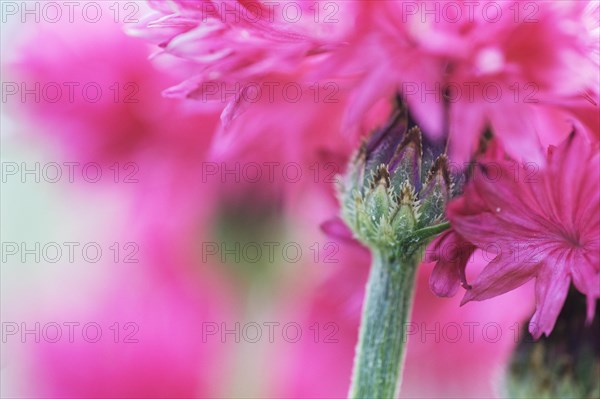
(384, 196)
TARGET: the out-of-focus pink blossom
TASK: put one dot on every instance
(104, 103)
(538, 57)
(249, 58)
(512, 71)
(142, 142)
(543, 225)
(152, 148)
(144, 338)
(461, 67)
(238, 47)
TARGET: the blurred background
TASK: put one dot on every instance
(138, 261)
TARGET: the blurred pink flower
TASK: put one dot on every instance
(150, 342)
(462, 68)
(538, 56)
(544, 225)
(104, 108)
(148, 145)
(236, 48)
(158, 146)
(380, 59)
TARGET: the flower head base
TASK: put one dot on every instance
(395, 189)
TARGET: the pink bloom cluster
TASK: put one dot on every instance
(234, 45)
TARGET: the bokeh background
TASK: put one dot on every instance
(185, 298)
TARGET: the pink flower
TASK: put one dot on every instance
(536, 62)
(542, 224)
(150, 342)
(233, 48)
(464, 68)
(152, 146)
(379, 59)
(101, 97)
(537, 57)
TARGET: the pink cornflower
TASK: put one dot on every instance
(156, 352)
(532, 223)
(124, 118)
(519, 71)
(235, 50)
(463, 68)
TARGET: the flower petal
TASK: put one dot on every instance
(452, 253)
(467, 122)
(512, 123)
(551, 289)
(336, 228)
(503, 274)
(586, 278)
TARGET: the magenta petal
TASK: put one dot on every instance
(336, 228)
(368, 93)
(467, 122)
(591, 308)
(430, 115)
(482, 230)
(451, 252)
(503, 274)
(512, 123)
(188, 88)
(551, 289)
(444, 280)
(235, 107)
(586, 276)
(508, 197)
(567, 176)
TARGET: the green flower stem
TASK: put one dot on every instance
(380, 351)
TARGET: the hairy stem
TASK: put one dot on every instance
(380, 350)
